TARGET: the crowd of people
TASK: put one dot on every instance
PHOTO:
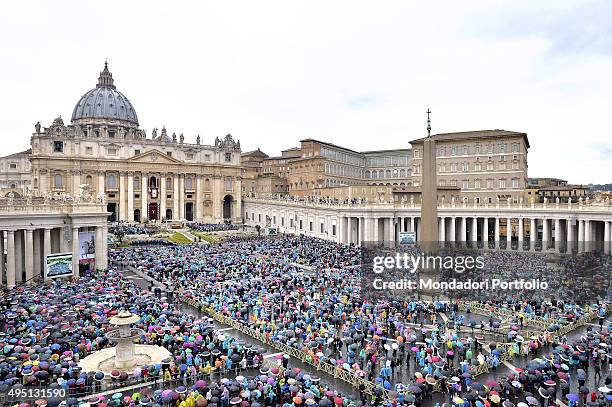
(305, 293)
(320, 310)
(211, 227)
(124, 228)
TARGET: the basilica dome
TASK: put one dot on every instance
(105, 102)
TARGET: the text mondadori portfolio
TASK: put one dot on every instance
(459, 285)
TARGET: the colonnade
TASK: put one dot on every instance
(531, 233)
(27, 248)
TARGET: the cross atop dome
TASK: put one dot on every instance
(105, 80)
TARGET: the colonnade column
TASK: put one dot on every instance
(442, 229)
(607, 236)
(463, 229)
(375, 236)
(557, 234)
(497, 234)
(508, 233)
(144, 193)
(130, 196)
(545, 233)
(570, 233)
(412, 220)
(101, 255)
(19, 257)
(474, 229)
(533, 234)
(46, 245)
(521, 233)
(587, 234)
(75, 251)
(453, 231)
(29, 255)
(10, 258)
(2, 266)
(485, 232)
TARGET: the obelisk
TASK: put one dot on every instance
(429, 193)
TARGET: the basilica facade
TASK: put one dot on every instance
(156, 178)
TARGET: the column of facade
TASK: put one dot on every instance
(238, 199)
(412, 220)
(474, 229)
(10, 259)
(217, 198)
(163, 196)
(130, 196)
(144, 195)
(76, 182)
(361, 229)
(122, 197)
(607, 236)
(181, 196)
(198, 201)
(175, 196)
(367, 229)
(101, 188)
(75, 251)
(497, 233)
(580, 230)
(29, 255)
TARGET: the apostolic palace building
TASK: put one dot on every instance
(102, 166)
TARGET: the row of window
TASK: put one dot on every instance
(478, 184)
(112, 183)
(489, 166)
(58, 147)
(490, 148)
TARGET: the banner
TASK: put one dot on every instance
(407, 237)
(87, 245)
(58, 265)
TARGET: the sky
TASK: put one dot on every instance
(360, 74)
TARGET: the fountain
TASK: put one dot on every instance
(126, 355)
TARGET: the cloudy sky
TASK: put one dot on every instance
(355, 73)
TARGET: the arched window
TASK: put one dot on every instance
(58, 181)
(136, 183)
(111, 181)
(189, 183)
(168, 183)
(89, 180)
(152, 182)
(207, 184)
(228, 183)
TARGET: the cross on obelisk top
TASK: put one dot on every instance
(428, 123)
